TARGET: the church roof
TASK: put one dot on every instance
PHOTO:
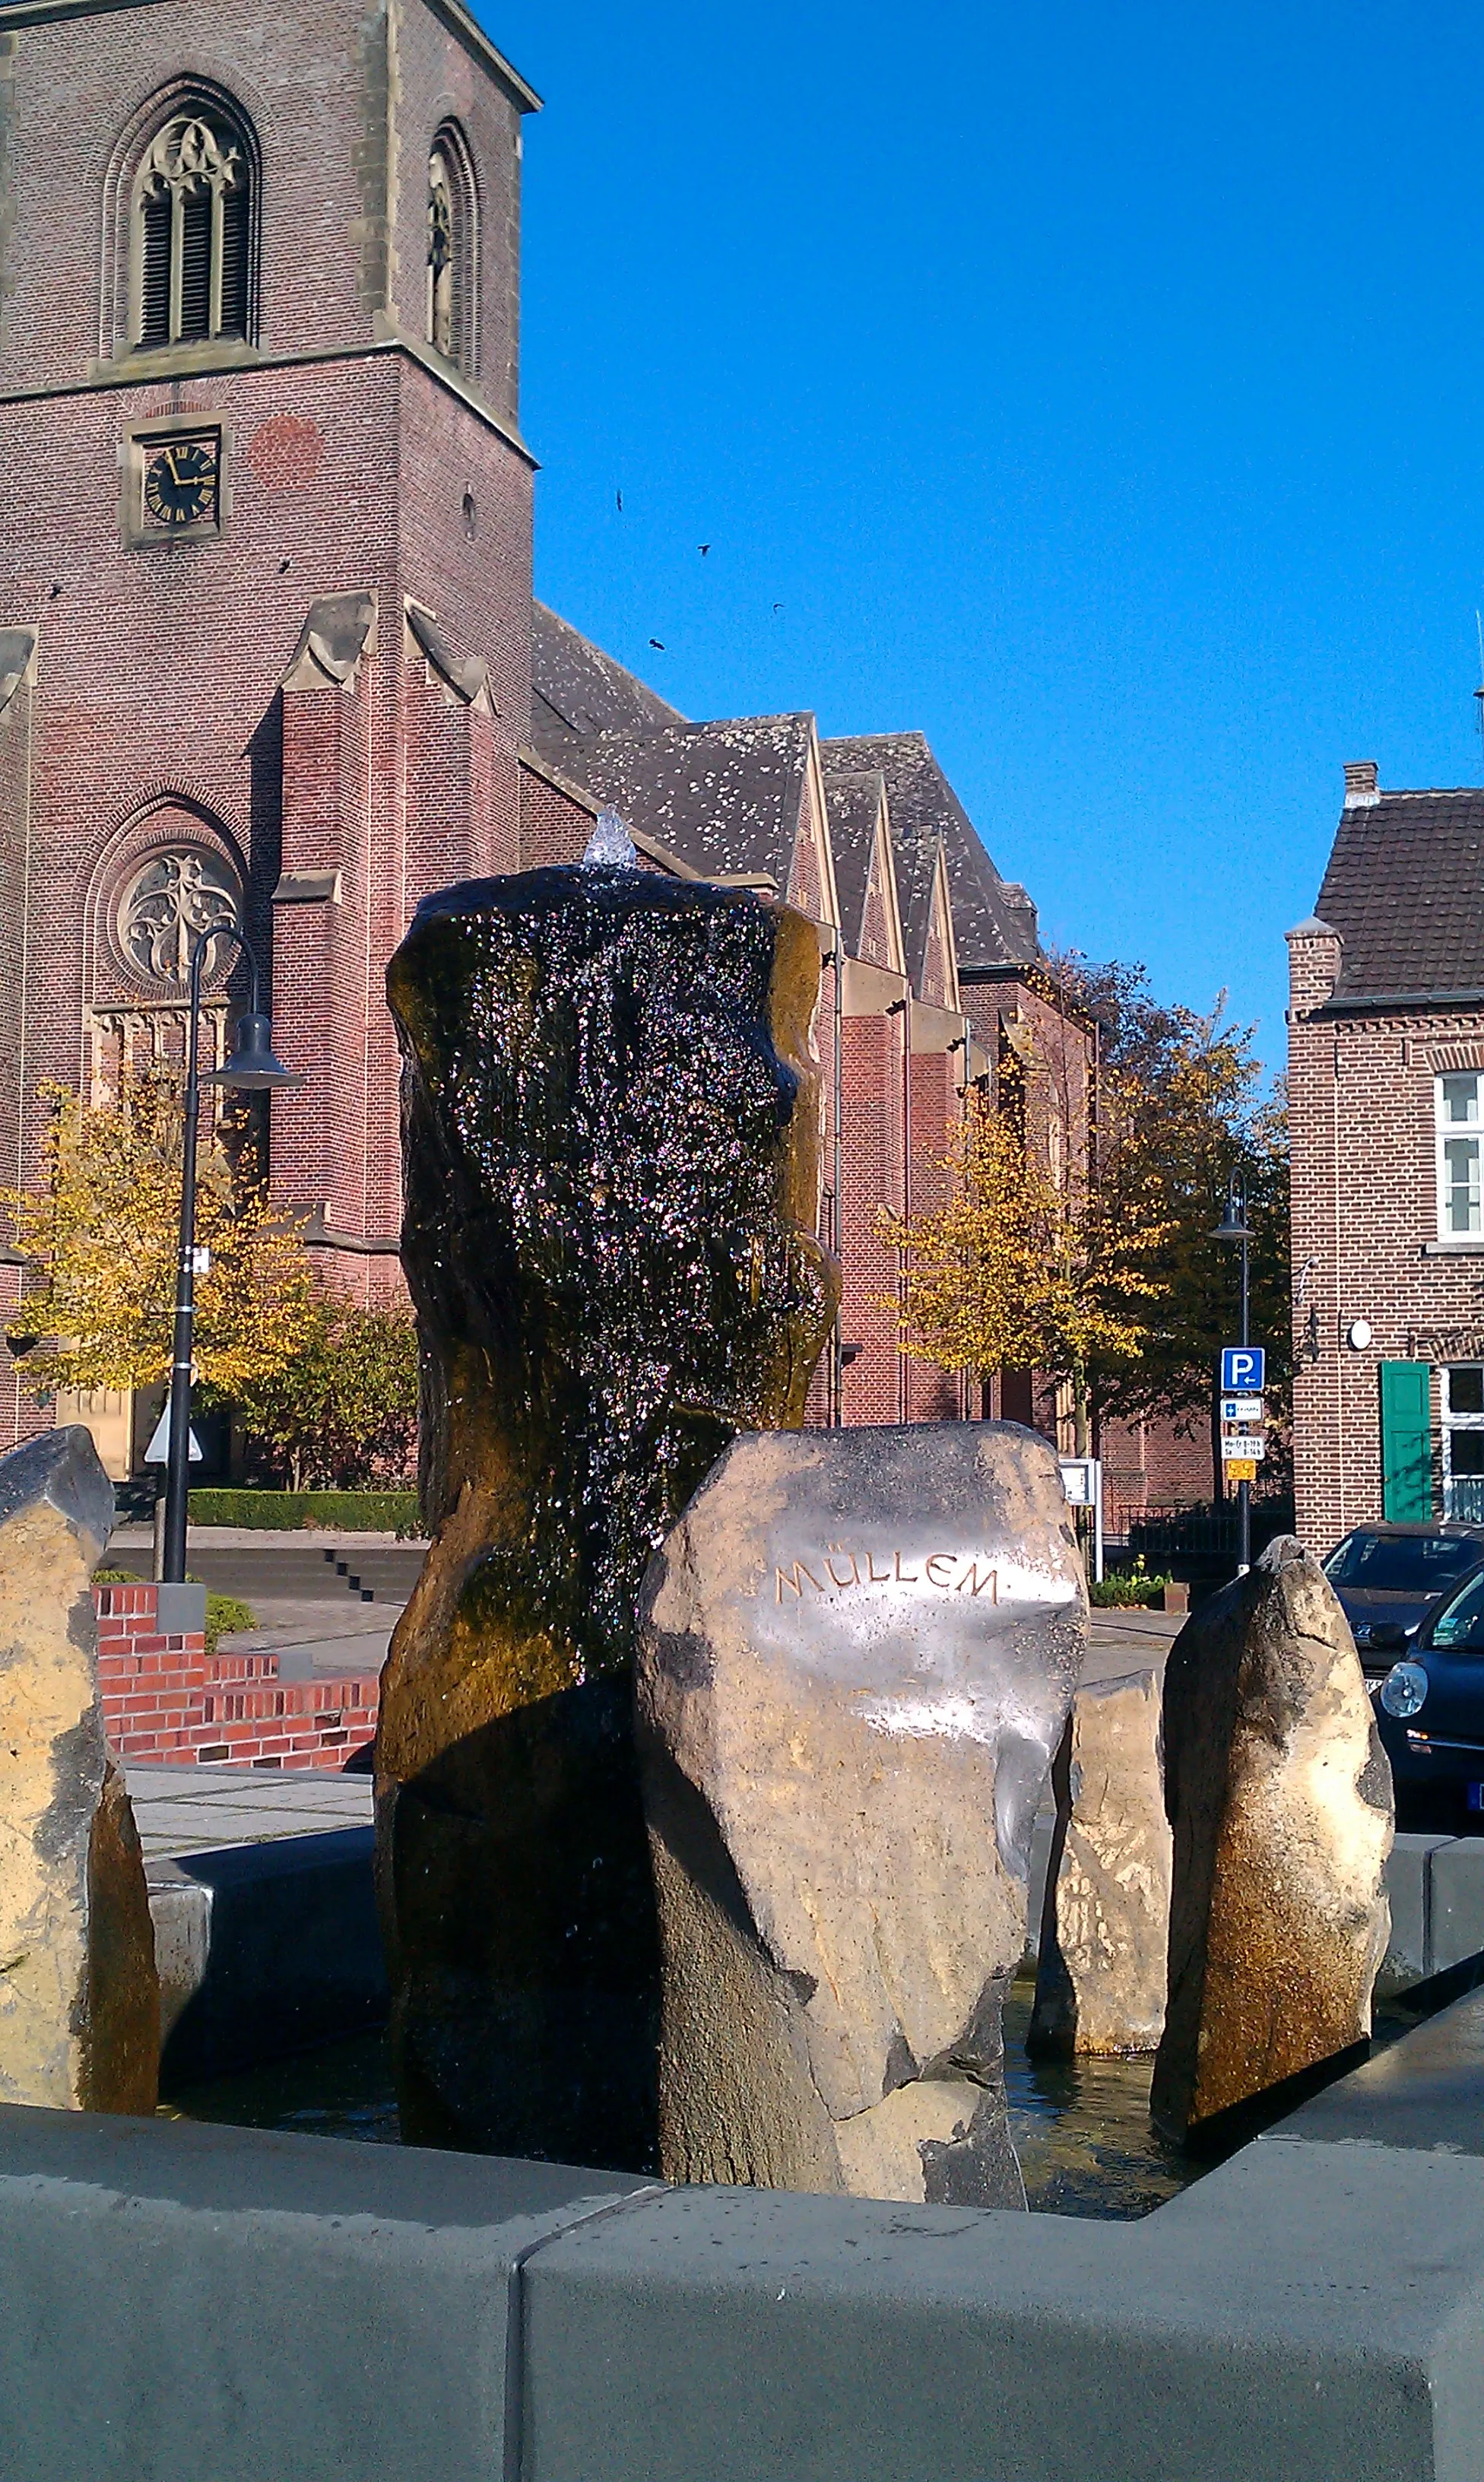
(854, 806)
(726, 797)
(1405, 892)
(575, 689)
(994, 921)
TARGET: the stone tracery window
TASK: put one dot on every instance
(169, 904)
(452, 245)
(193, 233)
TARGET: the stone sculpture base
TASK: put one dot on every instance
(79, 1998)
(1280, 1796)
(858, 1652)
(1102, 1961)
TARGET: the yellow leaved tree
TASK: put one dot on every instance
(1020, 1271)
(101, 1233)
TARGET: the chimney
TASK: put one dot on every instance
(1361, 792)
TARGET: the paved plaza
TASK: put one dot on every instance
(196, 1809)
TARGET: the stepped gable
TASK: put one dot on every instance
(854, 807)
(994, 920)
(575, 690)
(1405, 892)
(725, 798)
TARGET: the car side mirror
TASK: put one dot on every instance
(1387, 1637)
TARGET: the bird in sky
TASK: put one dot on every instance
(658, 643)
(703, 549)
(618, 496)
(777, 607)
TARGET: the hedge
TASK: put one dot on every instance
(285, 1512)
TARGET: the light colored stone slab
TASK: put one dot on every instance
(79, 2000)
(858, 1653)
(885, 2152)
(1105, 1931)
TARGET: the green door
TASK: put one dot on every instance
(1406, 1442)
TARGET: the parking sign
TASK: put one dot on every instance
(1242, 1372)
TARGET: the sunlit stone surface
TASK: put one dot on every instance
(613, 1140)
(859, 1649)
(1105, 1929)
(79, 2002)
(1280, 1796)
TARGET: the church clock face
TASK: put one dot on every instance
(182, 482)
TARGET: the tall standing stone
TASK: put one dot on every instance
(612, 1144)
(859, 1648)
(1280, 1797)
(79, 2000)
(1106, 1923)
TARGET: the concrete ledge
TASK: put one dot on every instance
(1282, 2319)
(1457, 1901)
(264, 1948)
(237, 2307)
(230, 2304)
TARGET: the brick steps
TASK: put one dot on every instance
(165, 1701)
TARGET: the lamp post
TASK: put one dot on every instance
(1234, 1227)
(252, 1068)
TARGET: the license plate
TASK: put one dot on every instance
(1476, 1796)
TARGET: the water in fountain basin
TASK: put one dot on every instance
(1081, 2130)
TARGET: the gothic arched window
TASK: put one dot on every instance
(192, 210)
(452, 247)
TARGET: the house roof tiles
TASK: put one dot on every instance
(1405, 892)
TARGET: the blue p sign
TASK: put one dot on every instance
(1242, 1369)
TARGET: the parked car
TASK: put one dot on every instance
(1430, 1708)
(1389, 1578)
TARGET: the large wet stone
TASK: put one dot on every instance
(1280, 1796)
(1105, 1929)
(79, 2002)
(612, 1147)
(859, 1649)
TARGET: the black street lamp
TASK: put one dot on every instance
(252, 1068)
(1234, 1227)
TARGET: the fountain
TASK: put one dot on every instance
(613, 1140)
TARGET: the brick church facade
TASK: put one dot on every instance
(269, 653)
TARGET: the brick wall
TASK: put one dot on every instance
(1366, 1240)
(167, 1703)
(156, 710)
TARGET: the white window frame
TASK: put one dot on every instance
(1471, 1508)
(1450, 1130)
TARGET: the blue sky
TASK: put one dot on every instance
(1097, 390)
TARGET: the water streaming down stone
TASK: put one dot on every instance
(613, 1162)
(609, 847)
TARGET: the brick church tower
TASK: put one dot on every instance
(265, 553)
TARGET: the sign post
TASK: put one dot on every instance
(1243, 1375)
(1081, 1479)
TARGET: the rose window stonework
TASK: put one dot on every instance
(167, 907)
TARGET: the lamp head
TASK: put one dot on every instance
(252, 1066)
(1233, 1226)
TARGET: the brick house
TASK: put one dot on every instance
(268, 654)
(1386, 1090)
